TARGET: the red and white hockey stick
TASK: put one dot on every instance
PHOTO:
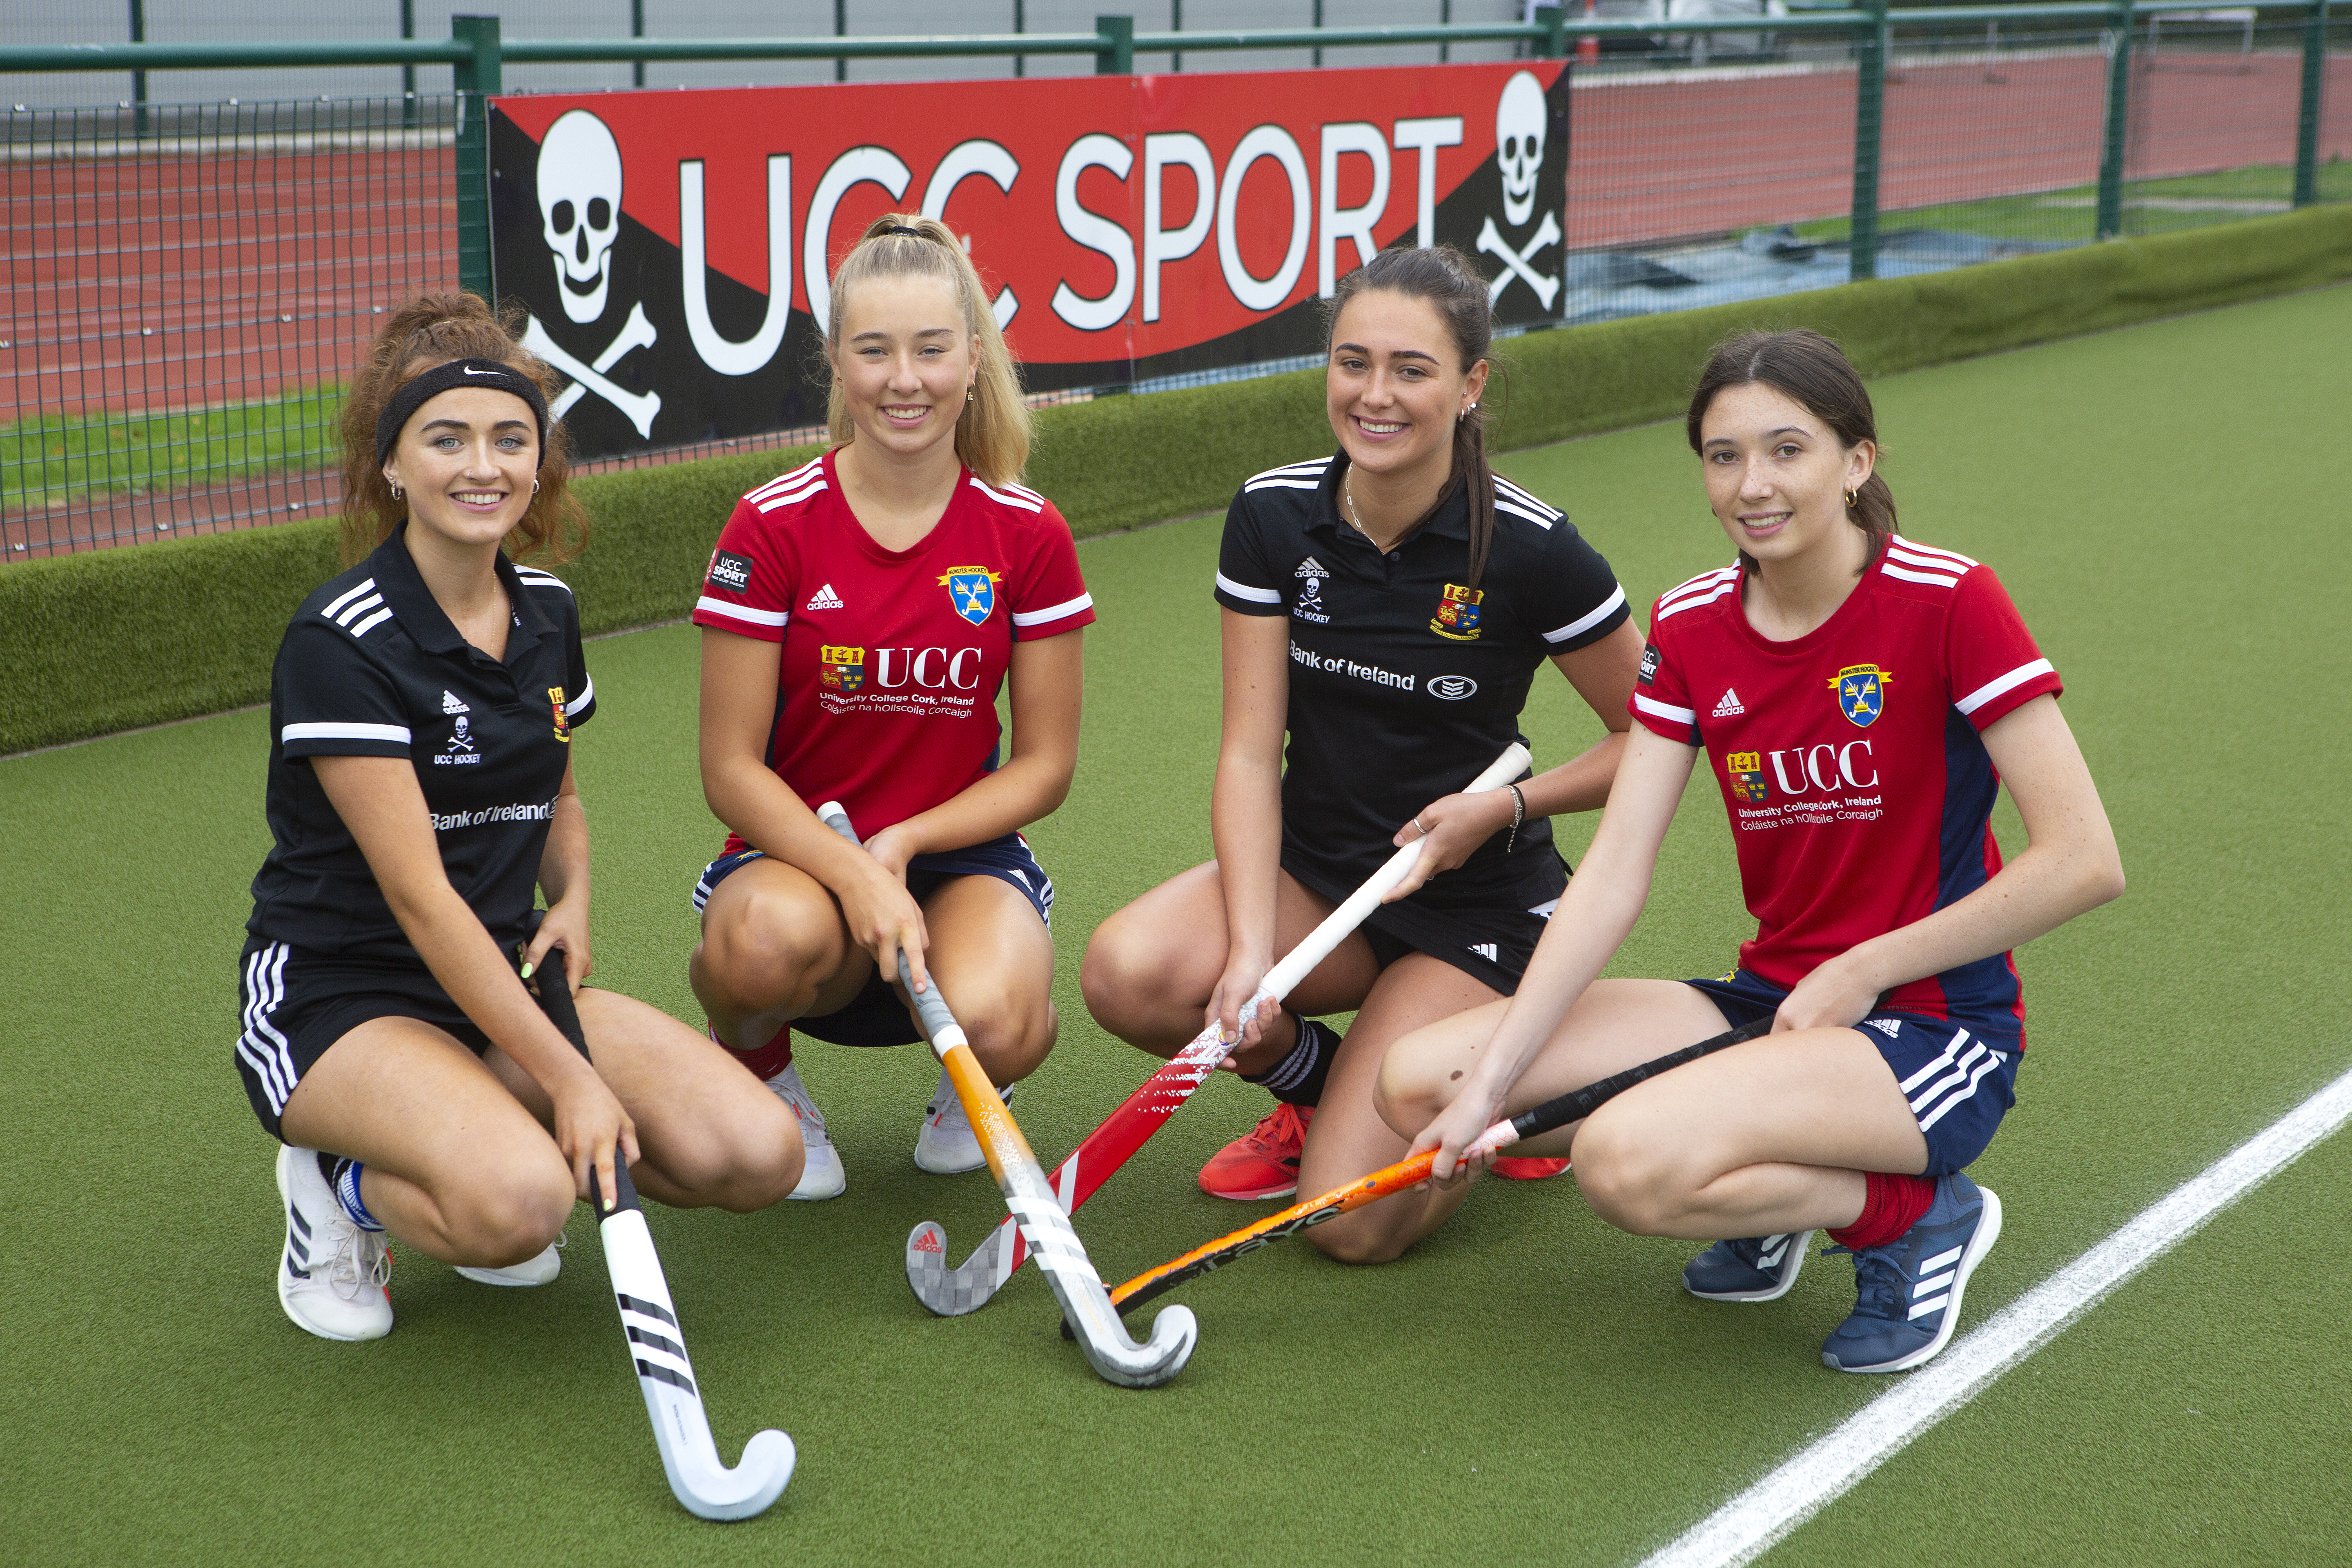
(952, 1292)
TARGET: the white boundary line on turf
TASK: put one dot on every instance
(1749, 1524)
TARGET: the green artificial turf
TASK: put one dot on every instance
(1528, 1385)
(51, 458)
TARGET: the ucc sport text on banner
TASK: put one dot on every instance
(672, 247)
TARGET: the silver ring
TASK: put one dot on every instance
(1424, 832)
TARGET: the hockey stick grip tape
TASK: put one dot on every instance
(929, 1006)
(555, 1000)
(1580, 1103)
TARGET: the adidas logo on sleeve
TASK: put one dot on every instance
(450, 703)
(1729, 707)
(823, 599)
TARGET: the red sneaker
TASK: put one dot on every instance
(1264, 1163)
(1529, 1168)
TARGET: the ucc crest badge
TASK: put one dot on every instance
(974, 590)
(841, 669)
(1746, 770)
(562, 720)
(1862, 692)
(1458, 613)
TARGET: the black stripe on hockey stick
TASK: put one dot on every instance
(646, 1308)
(663, 1375)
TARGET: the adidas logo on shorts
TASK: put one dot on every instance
(450, 703)
(1487, 951)
(1730, 707)
(1891, 1027)
(826, 599)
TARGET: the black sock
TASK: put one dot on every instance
(1297, 1079)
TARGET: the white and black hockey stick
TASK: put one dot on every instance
(1045, 1226)
(698, 1478)
(951, 1292)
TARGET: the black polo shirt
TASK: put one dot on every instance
(1402, 686)
(370, 668)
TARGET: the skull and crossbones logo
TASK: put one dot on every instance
(1521, 121)
(580, 213)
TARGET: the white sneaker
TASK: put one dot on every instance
(539, 1270)
(822, 1175)
(331, 1276)
(947, 1146)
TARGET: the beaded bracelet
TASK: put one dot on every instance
(1519, 814)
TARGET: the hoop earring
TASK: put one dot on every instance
(395, 491)
(1851, 501)
(534, 487)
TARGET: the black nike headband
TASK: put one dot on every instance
(442, 378)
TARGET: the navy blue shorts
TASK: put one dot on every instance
(1960, 1079)
(875, 1016)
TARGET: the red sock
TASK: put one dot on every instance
(1890, 1206)
(768, 1061)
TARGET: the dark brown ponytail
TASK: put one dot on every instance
(1810, 371)
(1449, 282)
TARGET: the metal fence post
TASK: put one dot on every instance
(1553, 45)
(139, 79)
(638, 30)
(408, 70)
(1869, 121)
(2306, 128)
(476, 79)
(1119, 58)
(2111, 161)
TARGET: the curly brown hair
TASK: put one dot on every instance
(430, 330)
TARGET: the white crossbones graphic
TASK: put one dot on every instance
(635, 333)
(1515, 263)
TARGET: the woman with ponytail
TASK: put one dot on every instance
(860, 615)
(1386, 610)
(421, 712)
(1860, 699)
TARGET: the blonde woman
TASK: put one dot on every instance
(859, 616)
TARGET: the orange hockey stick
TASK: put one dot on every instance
(1412, 1172)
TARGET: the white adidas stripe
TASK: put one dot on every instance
(1705, 582)
(1540, 519)
(1243, 591)
(1748, 1525)
(350, 613)
(587, 695)
(1952, 556)
(1054, 611)
(1932, 579)
(771, 502)
(2001, 685)
(786, 481)
(335, 606)
(1667, 710)
(744, 613)
(1006, 498)
(1584, 623)
(333, 731)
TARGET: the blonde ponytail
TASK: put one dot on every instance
(992, 435)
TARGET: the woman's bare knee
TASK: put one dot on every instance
(510, 1212)
(768, 955)
(1360, 1239)
(1627, 1178)
(1123, 976)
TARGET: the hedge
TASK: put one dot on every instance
(99, 642)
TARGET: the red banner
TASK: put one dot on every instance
(673, 248)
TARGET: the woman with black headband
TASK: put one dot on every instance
(421, 713)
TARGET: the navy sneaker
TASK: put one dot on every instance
(1751, 1268)
(1908, 1292)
